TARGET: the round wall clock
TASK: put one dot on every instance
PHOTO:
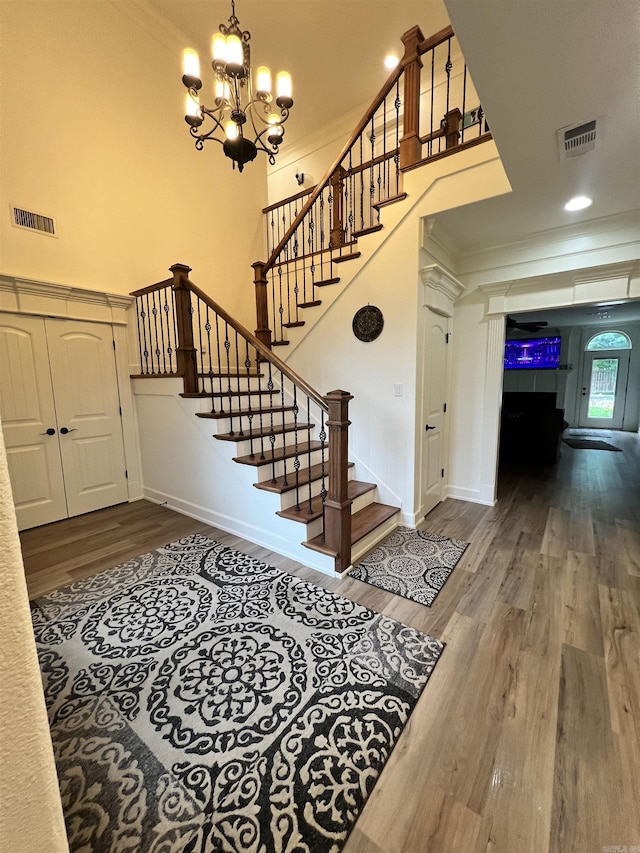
(367, 323)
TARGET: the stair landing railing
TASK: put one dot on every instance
(183, 333)
(421, 113)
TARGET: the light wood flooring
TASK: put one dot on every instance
(527, 737)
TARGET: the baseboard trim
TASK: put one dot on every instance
(473, 496)
(251, 533)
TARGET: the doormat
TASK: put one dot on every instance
(411, 563)
(203, 701)
(590, 444)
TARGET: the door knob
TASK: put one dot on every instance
(50, 431)
(64, 430)
(427, 428)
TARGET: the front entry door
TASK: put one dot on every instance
(434, 397)
(60, 410)
(604, 388)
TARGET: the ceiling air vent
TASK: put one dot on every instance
(576, 140)
(22, 218)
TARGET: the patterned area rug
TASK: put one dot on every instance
(411, 563)
(590, 444)
(201, 700)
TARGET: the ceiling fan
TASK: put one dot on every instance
(534, 326)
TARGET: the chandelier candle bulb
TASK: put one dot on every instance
(190, 63)
(235, 57)
(231, 130)
(221, 90)
(192, 112)
(263, 81)
(284, 89)
(219, 49)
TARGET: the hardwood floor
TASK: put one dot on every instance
(527, 737)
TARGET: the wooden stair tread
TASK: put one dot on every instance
(293, 325)
(391, 200)
(326, 282)
(282, 343)
(280, 453)
(340, 259)
(263, 392)
(286, 484)
(313, 304)
(263, 432)
(237, 413)
(362, 523)
(306, 514)
(230, 374)
(371, 229)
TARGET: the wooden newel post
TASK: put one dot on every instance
(263, 332)
(337, 506)
(337, 223)
(185, 351)
(452, 122)
(410, 144)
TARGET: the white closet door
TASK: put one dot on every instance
(85, 386)
(28, 411)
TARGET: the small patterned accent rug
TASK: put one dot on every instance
(590, 444)
(202, 701)
(411, 563)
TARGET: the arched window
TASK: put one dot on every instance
(609, 340)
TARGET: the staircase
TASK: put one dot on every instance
(295, 439)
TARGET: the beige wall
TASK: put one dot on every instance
(30, 810)
(93, 134)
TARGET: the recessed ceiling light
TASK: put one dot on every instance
(578, 203)
(391, 61)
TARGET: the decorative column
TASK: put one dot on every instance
(337, 506)
(410, 144)
(263, 332)
(185, 351)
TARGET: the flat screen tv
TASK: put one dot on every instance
(532, 354)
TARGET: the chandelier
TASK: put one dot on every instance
(242, 120)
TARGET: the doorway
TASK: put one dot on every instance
(604, 390)
(61, 417)
(433, 410)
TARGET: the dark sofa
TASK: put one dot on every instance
(531, 427)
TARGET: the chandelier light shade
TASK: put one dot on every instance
(246, 115)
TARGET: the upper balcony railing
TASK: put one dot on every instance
(428, 108)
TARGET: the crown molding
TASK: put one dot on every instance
(616, 281)
(28, 296)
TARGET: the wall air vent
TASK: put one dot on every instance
(22, 218)
(576, 140)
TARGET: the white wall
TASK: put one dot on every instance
(30, 808)
(192, 472)
(93, 135)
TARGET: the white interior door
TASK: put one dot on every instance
(60, 410)
(29, 422)
(434, 397)
(85, 384)
(604, 388)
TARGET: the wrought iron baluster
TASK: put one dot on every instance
(199, 360)
(433, 71)
(323, 489)
(140, 313)
(248, 365)
(309, 489)
(175, 330)
(238, 381)
(227, 347)
(464, 100)
(372, 187)
(219, 369)
(448, 66)
(397, 104)
(156, 347)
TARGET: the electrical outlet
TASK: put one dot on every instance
(397, 389)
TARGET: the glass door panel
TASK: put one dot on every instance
(602, 392)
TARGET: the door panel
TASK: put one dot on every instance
(88, 406)
(434, 395)
(27, 409)
(604, 387)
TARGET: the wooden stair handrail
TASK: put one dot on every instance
(423, 46)
(151, 288)
(264, 351)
